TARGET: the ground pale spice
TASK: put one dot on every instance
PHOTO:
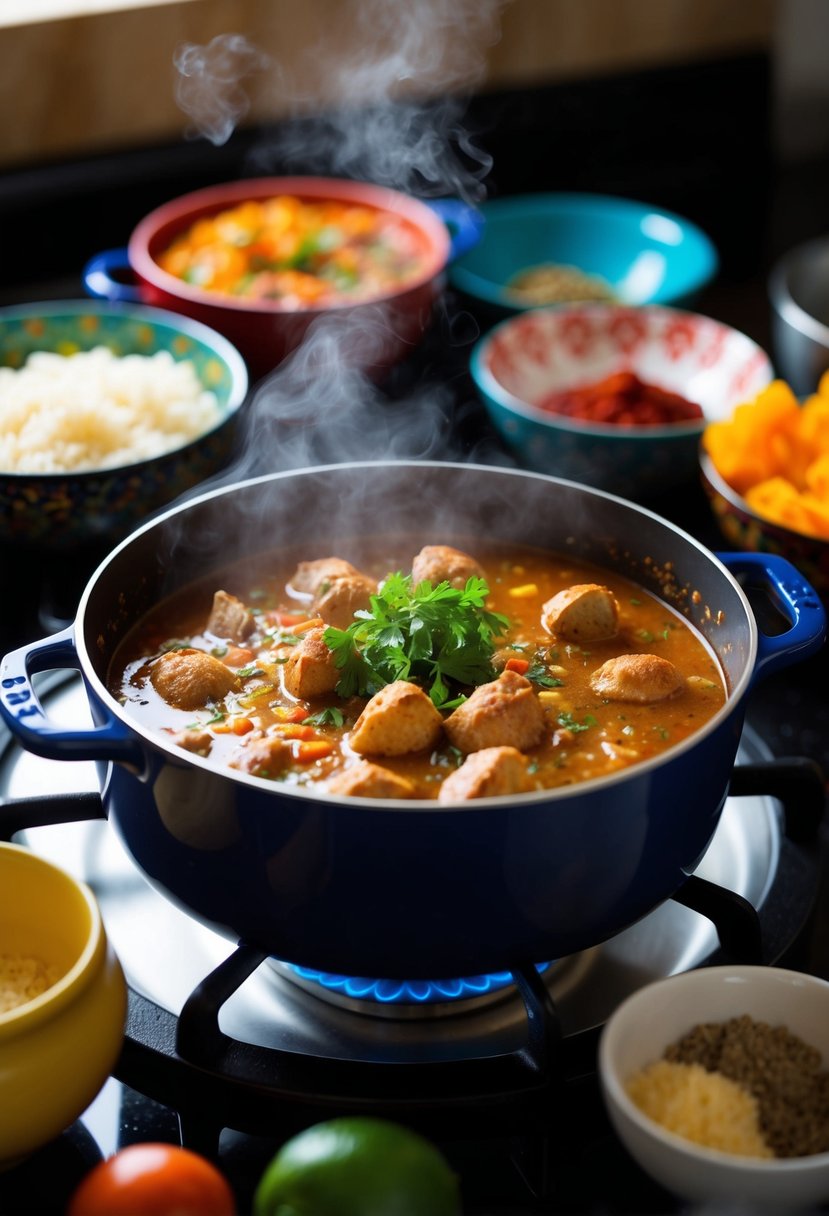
(702, 1106)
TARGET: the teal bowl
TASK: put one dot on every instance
(58, 509)
(645, 255)
(536, 353)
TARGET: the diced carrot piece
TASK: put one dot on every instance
(237, 656)
(289, 713)
(313, 622)
(518, 665)
(294, 730)
(315, 749)
(287, 619)
(241, 726)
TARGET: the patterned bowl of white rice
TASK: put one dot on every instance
(108, 412)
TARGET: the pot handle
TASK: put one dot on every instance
(101, 281)
(23, 714)
(798, 601)
(465, 223)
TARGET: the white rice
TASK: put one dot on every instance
(96, 410)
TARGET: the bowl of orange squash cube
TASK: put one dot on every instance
(765, 469)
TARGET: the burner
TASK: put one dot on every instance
(210, 1027)
(402, 998)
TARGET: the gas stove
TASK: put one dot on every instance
(229, 1052)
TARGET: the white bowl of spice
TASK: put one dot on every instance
(63, 1002)
(717, 1083)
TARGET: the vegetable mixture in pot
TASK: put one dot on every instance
(440, 674)
(303, 254)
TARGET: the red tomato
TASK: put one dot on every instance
(153, 1180)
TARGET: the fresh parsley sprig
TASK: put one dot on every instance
(440, 637)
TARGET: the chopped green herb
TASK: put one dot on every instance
(645, 635)
(219, 652)
(566, 720)
(442, 636)
(636, 603)
(247, 672)
(330, 716)
(539, 674)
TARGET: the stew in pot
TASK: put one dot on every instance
(442, 674)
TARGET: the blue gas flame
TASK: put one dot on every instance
(409, 992)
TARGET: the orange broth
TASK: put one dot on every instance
(585, 737)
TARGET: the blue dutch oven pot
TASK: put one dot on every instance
(395, 888)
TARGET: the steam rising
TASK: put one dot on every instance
(318, 408)
(380, 100)
(209, 87)
(380, 124)
(385, 106)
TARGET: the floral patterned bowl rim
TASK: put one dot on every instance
(630, 329)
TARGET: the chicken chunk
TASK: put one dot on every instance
(309, 671)
(636, 677)
(191, 679)
(438, 563)
(199, 742)
(367, 780)
(337, 600)
(586, 612)
(229, 618)
(487, 773)
(399, 719)
(504, 713)
(266, 756)
(309, 577)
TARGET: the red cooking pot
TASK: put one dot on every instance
(375, 333)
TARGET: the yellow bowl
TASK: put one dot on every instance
(58, 1047)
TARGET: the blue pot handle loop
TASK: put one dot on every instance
(24, 715)
(465, 223)
(795, 597)
(101, 281)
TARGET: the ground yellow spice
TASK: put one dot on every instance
(702, 1106)
(22, 978)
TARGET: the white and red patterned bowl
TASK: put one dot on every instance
(522, 360)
